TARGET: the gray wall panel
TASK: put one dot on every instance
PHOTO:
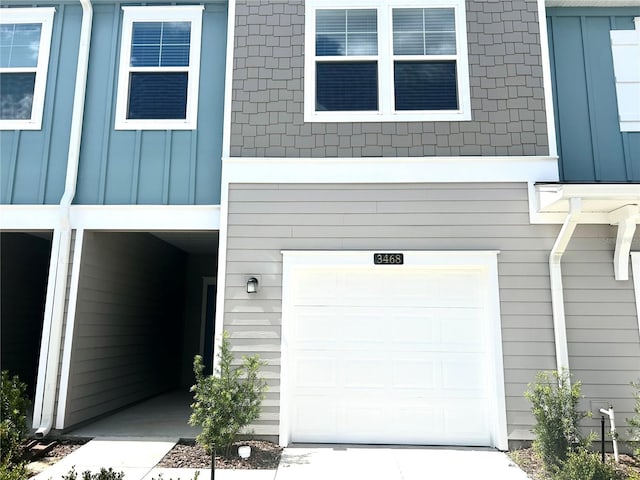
(128, 319)
(267, 219)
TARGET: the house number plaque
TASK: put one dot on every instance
(388, 258)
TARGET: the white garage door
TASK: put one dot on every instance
(389, 354)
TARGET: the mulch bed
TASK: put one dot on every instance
(264, 455)
(528, 461)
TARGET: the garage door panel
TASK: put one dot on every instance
(388, 355)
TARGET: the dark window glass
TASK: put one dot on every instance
(425, 85)
(161, 95)
(16, 95)
(344, 86)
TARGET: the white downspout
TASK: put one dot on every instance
(555, 276)
(61, 255)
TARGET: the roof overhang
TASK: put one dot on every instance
(609, 204)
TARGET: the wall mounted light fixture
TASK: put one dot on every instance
(252, 285)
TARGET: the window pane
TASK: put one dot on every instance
(424, 31)
(16, 95)
(19, 44)
(331, 44)
(157, 95)
(342, 86)
(160, 44)
(425, 86)
(439, 20)
(346, 32)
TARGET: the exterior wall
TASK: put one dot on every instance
(507, 97)
(116, 167)
(33, 163)
(128, 317)
(265, 219)
(25, 264)
(590, 144)
(151, 167)
(602, 323)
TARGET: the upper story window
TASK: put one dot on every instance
(25, 40)
(370, 61)
(159, 68)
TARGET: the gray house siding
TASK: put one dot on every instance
(602, 322)
(128, 317)
(33, 163)
(590, 143)
(507, 97)
(266, 219)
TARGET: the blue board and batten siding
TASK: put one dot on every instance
(33, 163)
(590, 144)
(179, 167)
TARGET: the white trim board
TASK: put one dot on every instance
(69, 329)
(390, 169)
(112, 217)
(485, 261)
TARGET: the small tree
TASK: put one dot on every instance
(227, 401)
(555, 407)
(634, 422)
(13, 416)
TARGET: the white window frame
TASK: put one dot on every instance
(190, 13)
(43, 16)
(625, 49)
(385, 58)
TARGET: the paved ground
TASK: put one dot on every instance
(137, 459)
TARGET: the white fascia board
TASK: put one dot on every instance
(29, 217)
(390, 169)
(145, 217)
(551, 203)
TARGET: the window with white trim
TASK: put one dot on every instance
(159, 68)
(372, 61)
(25, 41)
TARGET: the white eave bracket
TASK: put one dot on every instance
(626, 219)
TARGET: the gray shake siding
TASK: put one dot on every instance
(507, 97)
(265, 219)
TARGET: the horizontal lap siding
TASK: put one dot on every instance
(265, 219)
(127, 314)
(602, 323)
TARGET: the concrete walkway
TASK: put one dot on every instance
(396, 463)
(138, 458)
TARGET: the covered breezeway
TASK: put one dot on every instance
(144, 306)
(25, 258)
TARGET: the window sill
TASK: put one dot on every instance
(413, 116)
(20, 125)
(155, 125)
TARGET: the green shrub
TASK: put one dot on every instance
(13, 413)
(554, 405)
(16, 471)
(227, 401)
(634, 422)
(103, 474)
(584, 465)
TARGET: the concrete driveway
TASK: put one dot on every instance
(395, 463)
